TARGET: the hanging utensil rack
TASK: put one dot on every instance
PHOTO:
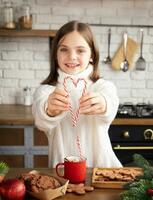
(122, 25)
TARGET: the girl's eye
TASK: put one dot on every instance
(63, 49)
(81, 50)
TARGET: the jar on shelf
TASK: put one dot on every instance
(25, 19)
(8, 16)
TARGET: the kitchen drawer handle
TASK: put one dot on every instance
(148, 134)
(126, 134)
(118, 147)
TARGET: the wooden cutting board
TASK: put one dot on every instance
(132, 47)
(98, 182)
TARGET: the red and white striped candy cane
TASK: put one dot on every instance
(75, 116)
(83, 92)
(70, 106)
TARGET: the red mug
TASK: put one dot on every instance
(74, 169)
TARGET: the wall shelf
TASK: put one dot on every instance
(27, 33)
(50, 34)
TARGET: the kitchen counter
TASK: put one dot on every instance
(22, 115)
(97, 194)
(16, 115)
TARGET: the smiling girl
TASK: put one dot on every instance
(75, 54)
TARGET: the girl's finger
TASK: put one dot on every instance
(61, 92)
(61, 98)
(95, 112)
(89, 97)
(55, 102)
(92, 108)
(90, 102)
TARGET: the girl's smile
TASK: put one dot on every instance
(74, 53)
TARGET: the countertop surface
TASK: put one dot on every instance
(22, 115)
(16, 115)
(97, 194)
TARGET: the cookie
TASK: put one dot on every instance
(39, 182)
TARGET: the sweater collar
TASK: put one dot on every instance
(84, 74)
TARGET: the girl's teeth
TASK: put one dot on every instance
(71, 65)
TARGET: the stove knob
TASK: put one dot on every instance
(126, 134)
(148, 134)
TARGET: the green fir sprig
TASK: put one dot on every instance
(141, 162)
(4, 168)
(137, 190)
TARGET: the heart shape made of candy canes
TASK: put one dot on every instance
(74, 114)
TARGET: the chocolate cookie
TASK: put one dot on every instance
(39, 182)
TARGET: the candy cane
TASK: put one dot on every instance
(78, 143)
(70, 106)
(84, 90)
(75, 116)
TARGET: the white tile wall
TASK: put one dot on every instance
(25, 61)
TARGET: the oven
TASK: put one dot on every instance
(133, 138)
(129, 139)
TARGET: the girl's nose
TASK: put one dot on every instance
(72, 55)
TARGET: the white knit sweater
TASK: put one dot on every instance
(92, 129)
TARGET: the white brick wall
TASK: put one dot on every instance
(25, 61)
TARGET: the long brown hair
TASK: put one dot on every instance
(87, 34)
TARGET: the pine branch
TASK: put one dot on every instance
(137, 190)
(4, 168)
(140, 161)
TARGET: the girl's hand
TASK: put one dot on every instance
(92, 104)
(58, 102)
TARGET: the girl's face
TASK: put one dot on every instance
(74, 53)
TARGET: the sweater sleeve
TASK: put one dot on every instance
(108, 90)
(42, 120)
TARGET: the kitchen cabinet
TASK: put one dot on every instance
(21, 144)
